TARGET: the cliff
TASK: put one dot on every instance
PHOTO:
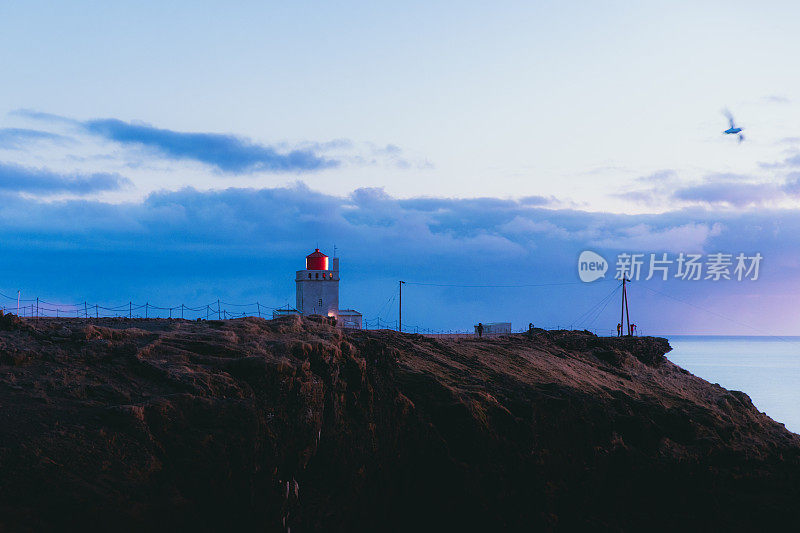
(292, 424)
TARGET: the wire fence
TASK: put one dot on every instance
(219, 309)
(224, 310)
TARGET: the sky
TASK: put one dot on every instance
(196, 151)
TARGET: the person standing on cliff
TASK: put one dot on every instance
(619, 330)
(480, 329)
(530, 330)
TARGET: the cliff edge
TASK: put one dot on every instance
(292, 424)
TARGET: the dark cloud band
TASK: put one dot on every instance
(43, 182)
(227, 153)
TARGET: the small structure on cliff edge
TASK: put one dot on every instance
(493, 329)
(318, 292)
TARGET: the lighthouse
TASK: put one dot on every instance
(318, 292)
(318, 286)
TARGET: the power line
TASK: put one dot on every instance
(597, 309)
(554, 284)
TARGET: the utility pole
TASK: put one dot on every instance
(624, 313)
(18, 302)
(400, 322)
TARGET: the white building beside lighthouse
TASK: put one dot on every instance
(318, 292)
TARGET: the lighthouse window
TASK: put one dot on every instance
(309, 275)
(317, 276)
(320, 302)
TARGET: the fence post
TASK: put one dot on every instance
(96, 311)
(259, 309)
(130, 309)
(181, 311)
(37, 307)
(146, 304)
(219, 316)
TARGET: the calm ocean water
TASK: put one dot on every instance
(766, 368)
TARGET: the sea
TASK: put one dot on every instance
(766, 368)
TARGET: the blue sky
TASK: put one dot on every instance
(184, 152)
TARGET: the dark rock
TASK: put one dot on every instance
(269, 425)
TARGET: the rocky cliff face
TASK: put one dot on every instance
(292, 424)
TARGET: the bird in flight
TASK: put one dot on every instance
(734, 129)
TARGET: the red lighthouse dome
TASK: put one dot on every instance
(317, 261)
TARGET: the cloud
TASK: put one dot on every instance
(228, 153)
(43, 182)
(658, 185)
(368, 218)
(691, 237)
(190, 246)
(792, 161)
(732, 193)
(721, 189)
(535, 200)
(39, 115)
(524, 226)
(776, 99)
(792, 185)
(381, 229)
(19, 137)
(393, 155)
(659, 176)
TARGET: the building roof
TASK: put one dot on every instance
(316, 253)
(349, 312)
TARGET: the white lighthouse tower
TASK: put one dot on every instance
(318, 286)
(318, 292)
